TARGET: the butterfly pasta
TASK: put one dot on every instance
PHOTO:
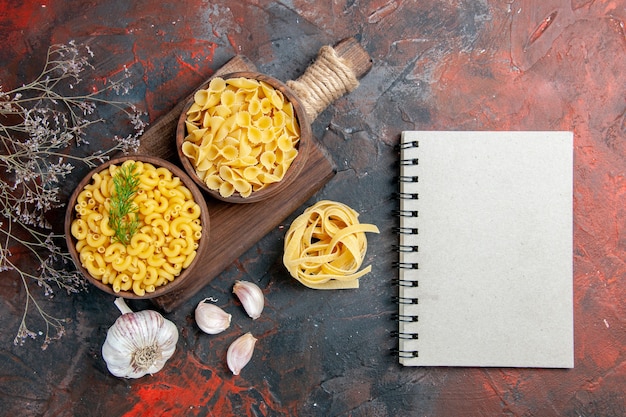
(242, 135)
(166, 238)
(325, 246)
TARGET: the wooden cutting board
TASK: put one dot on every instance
(234, 228)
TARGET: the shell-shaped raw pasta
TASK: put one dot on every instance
(269, 178)
(288, 109)
(284, 143)
(230, 123)
(198, 133)
(190, 126)
(229, 140)
(195, 116)
(221, 133)
(254, 135)
(213, 181)
(190, 150)
(227, 98)
(215, 122)
(207, 140)
(254, 106)
(213, 152)
(244, 147)
(243, 162)
(243, 83)
(251, 172)
(247, 192)
(289, 155)
(264, 122)
(200, 97)
(242, 186)
(243, 118)
(217, 84)
(238, 134)
(206, 120)
(229, 152)
(279, 171)
(226, 189)
(268, 136)
(194, 108)
(190, 138)
(279, 119)
(266, 105)
(292, 126)
(222, 110)
(277, 99)
(257, 151)
(204, 165)
(241, 97)
(245, 139)
(203, 151)
(227, 173)
(268, 159)
(213, 99)
(266, 88)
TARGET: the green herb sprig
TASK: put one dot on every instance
(123, 217)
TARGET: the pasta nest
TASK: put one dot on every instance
(325, 246)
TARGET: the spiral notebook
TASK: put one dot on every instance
(485, 254)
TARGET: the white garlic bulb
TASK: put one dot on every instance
(251, 298)
(210, 318)
(240, 352)
(138, 343)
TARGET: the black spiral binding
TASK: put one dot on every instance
(407, 265)
(404, 282)
(406, 213)
(405, 335)
(405, 300)
(407, 145)
(408, 178)
(406, 318)
(406, 248)
(405, 354)
(409, 196)
(407, 230)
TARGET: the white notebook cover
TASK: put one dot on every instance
(494, 249)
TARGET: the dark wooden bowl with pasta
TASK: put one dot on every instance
(243, 137)
(136, 226)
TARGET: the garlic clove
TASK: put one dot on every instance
(240, 352)
(251, 297)
(210, 318)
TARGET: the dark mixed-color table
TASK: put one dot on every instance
(436, 65)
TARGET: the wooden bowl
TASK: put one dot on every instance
(186, 274)
(303, 146)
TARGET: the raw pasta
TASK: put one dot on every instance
(242, 135)
(325, 246)
(167, 237)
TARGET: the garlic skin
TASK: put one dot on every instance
(138, 343)
(210, 318)
(251, 298)
(240, 352)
